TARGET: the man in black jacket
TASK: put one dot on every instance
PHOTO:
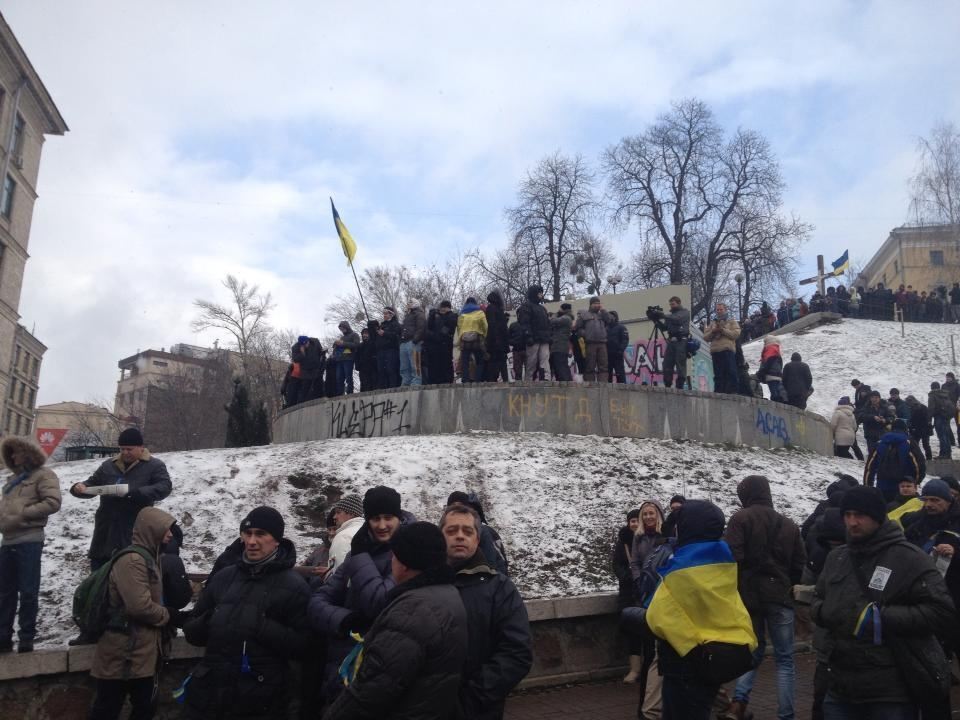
(252, 620)
(797, 381)
(535, 321)
(861, 394)
(146, 481)
(498, 339)
(878, 595)
(366, 360)
(388, 350)
(518, 344)
(876, 417)
(618, 338)
(920, 429)
(414, 653)
(312, 358)
(438, 344)
(499, 654)
(676, 325)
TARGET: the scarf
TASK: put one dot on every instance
(8, 488)
(256, 566)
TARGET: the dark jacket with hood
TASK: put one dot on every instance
(940, 404)
(147, 482)
(797, 380)
(518, 337)
(413, 655)
(414, 325)
(498, 335)
(311, 358)
(390, 340)
(913, 602)
(885, 474)
(30, 495)
(252, 620)
(835, 492)
(867, 416)
(498, 649)
(349, 343)
(919, 422)
(766, 545)
(177, 591)
(441, 327)
(533, 317)
(618, 338)
(925, 529)
(561, 326)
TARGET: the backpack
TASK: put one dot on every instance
(91, 599)
(889, 468)
(645, 585)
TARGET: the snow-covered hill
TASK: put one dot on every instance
(871, 351)
(556, 500)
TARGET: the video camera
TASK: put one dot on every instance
(654, 312)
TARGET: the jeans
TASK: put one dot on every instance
(941, 426)
(468, 351)
(409, 362)
(776, 391)
(684, 699)
(388, 368)
(615, 365)
(834, 709)
(344, 375)
(725, 371)
(778, 621)
(538, 357)
(20, 579)
(111, 694)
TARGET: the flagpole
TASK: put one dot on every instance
(360, 293)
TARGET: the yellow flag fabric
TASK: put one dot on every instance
(347, 242)
(911, 505)
(697, 600)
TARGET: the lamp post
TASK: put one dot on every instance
(615, 280)
(739, 280)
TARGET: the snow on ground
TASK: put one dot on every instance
(556, 500)
(871, 351)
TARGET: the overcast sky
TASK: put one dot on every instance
(205, 137)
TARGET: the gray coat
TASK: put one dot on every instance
(560, 329)
(592, 326)
(414, 326)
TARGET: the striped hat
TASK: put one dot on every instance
(350, 504)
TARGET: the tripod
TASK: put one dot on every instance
(658, 333)
(655, 334)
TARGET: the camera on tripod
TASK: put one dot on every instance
(654, 311)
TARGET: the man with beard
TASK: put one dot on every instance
(498, 649)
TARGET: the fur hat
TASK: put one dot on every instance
(770, 340)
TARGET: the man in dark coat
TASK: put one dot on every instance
(676, 325)
(797, 381)
(875, 417)
(252, 620)
(366, 361)
(952, 388)
(895, 457)
(535, 321)
(518, 344)
(345, 354)
(438, 343)
(491, 545)
(770, 558)
(618, 339)
(861, 394)
(388, 350)
(310, 355)
(498, 339)
(920, 428)
(943, 410)
(414, 654)
(876, 593)
(561, 326)
(126, 484)
(498, 650)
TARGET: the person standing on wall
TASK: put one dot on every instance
(676, 325)
(722, 336)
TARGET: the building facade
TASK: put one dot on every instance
(77, 424)
(924, 256)
(27, 115)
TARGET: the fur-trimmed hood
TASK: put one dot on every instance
(35, 456)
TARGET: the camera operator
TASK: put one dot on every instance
(676, 326)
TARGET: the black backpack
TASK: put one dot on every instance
(889, 468)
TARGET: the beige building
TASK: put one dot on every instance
(925, 256)
(84, 423)
(27, 115)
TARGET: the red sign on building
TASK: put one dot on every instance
(49, 438)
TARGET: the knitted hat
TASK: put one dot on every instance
(951, 482)
(302, 339)
(566, 306)
(594, 299)
(130, 437)
(635, 513)
(413, 303)
(866, 500)
(446, 304)
(845, 400)
(419, 546)
(937, 488)
(350, 504)
(264, 518)
(381, 500)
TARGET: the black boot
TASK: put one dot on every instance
(25, 646)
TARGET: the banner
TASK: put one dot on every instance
(49, 438)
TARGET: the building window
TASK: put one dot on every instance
(936, 257)
(896, 267)
(159, 363)
(9, 420)
(17, 425)
(36, 368)
(13, 388)
(6, 201)
(19, 125)
(23, 393)
(16, 357)
(26, 363)
(33, 398)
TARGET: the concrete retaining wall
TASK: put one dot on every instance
(574, 639)
(558, 408)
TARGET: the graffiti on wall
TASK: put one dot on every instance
(772, 426)
(369, 417)
(644, 364)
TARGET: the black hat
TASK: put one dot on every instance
(937, 488)
(594, 299)
(381, 500)
(951, 482)
(699, 521)
(796, 357)
(264, 518)
(130, 437)
(419, 546)
(677, 498)
(866, 500)
(469, 499)
(566, 306)
(446, 304)
(635, 513)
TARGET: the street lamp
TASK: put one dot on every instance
(739, 280)
(615, 280)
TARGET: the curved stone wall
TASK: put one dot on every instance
(560, 408)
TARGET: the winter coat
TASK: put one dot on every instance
(644, 543)
(147, 482)
(867, 416)
(940, 405)
(177, 590)
(900, 408)
(136, 590)
(844, 425)
(30, 495)
(498, 334)
(498, 649)
(414, 326)
(310, 358)
(560, 327)
(618, 338)
(592, 325)
(920, 420)
(254, 616)
(441, 327)
(349, 342)
(797, 380)
(491, 545)
(518, 338)
(722, 335)
(471, 319)
(771, 365)
(340, 546)
(390, 340)
(914, 602)
(952, 388)
(533, 318)
(887, 476)
(861, 397)
(365, 359)
(413, 656)
(923, 528)
(766, 545)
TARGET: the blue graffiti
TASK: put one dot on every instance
(775, 425)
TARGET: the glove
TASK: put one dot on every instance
(362, 542)
(350, 622)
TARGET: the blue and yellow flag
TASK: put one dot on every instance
(841, 264)
(910, 506)
(349, 246)
(697, 600)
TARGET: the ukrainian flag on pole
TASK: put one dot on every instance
(841, 264)
(349, 246)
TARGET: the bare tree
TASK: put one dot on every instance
(935, 189)
(244, 317)
(555, 204)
